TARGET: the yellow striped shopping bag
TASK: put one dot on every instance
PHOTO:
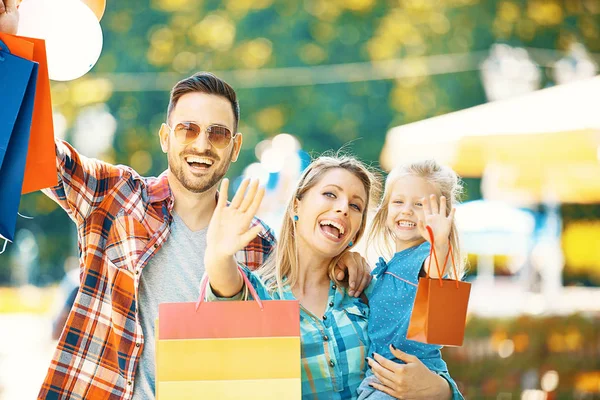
(228, 350)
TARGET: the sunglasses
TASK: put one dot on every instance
(187, 132)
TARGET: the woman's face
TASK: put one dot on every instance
(330, 214)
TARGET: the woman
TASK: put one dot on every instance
(326, 216)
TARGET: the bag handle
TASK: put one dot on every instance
(437, 265)
(204, 287)
(5, 243)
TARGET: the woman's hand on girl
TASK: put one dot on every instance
(229, 230)
(412, 380)
(437, 218)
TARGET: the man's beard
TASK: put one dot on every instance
(199, 185)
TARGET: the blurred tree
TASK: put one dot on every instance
(149, 38)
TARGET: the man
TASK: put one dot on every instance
(142, 240)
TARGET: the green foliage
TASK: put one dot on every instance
(567, 345)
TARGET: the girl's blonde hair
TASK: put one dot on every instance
(283, 262)
(449, 185)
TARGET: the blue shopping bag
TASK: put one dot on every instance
(18, 78)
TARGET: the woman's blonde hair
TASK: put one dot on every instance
(381, 237)
(283, 262)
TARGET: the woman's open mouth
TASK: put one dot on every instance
(333, 230)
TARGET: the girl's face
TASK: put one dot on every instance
(330, 214)
(405, 209)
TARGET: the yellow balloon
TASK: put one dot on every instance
(97, 6)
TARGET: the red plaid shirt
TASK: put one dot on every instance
(122, 220)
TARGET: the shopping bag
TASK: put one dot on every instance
(440, 309)
(18, 78)
(40, 168)
(228, 350)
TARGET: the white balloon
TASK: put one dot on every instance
(72, 33)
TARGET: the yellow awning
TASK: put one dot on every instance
(533, 148)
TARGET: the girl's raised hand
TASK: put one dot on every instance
(229, 230)
(437, 218)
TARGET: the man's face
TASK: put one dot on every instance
(199, 165)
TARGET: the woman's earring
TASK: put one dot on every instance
(295, 218)
(350, 244)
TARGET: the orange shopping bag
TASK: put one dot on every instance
(440, 309)
(40, 167)
(228, 350)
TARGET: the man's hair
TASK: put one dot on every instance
(205, 82)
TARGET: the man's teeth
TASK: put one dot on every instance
(334, 224)
(199, 160)
(407, 224)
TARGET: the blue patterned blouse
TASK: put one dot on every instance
(333, 347)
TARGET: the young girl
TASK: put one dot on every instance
(410, 203)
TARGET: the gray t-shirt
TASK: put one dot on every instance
(172, 275)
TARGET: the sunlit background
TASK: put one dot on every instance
(397, 80)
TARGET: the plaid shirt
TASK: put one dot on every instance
(333, 348)
(122, 220)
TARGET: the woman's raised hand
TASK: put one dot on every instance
(229, 230)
